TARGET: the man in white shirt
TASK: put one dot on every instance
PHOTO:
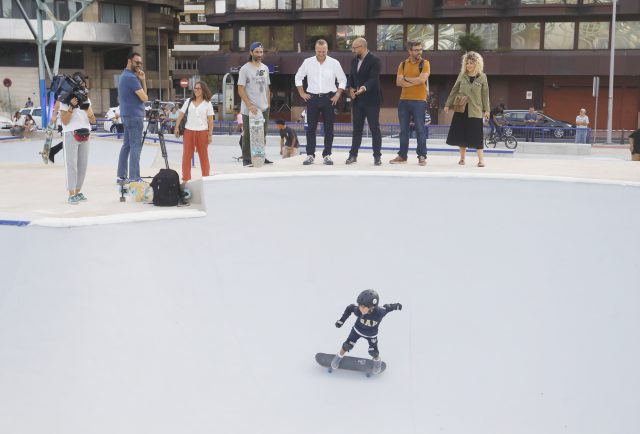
(582, 126)
(321, 96)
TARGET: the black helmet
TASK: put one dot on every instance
(368, 298)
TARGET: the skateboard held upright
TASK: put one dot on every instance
(256, 138)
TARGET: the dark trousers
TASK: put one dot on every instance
(353, 338)
(529, 134)
(371, 113)
(315, 106)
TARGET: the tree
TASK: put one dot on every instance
(470, 42)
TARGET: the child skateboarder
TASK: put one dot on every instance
(369, 314)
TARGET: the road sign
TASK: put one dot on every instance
(184, 82)
(7, 82)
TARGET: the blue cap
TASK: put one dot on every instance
(255, 45)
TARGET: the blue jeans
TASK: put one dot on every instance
(581, 135)
(408, 109)
(131, 148)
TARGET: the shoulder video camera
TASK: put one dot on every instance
(67, 87)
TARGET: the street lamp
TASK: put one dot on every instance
(612, 57)
(160, 64)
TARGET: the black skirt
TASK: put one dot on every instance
(465, 131)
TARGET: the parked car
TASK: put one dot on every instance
(5, 122)
(108, 125)
(548, 127)
(35, 112)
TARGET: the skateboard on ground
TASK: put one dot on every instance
(349, 363)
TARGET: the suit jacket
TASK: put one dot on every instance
(369, 77)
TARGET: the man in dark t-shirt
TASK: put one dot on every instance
(634, 145)
(494, 124)
(288, 140)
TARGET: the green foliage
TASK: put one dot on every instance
(470, 42)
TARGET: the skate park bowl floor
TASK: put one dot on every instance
(521, 311)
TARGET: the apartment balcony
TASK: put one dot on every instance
(91, 33)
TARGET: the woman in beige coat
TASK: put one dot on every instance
(466, 130)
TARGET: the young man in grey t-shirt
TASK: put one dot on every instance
(253, 88)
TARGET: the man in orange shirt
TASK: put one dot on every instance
(412, 77)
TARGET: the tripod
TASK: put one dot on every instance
(153, 119)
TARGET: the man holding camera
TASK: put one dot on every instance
(132, 93)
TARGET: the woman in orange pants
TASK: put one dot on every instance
(198, 129)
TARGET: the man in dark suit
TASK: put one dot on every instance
(364, 89)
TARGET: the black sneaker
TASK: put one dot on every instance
(267, 161)
(247, 163)
(377, 161)
(352, 159)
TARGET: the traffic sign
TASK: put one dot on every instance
(184, 82)
(7, 82)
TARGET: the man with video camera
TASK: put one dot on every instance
(132, 93)
(77, 116)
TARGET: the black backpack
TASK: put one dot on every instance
(166, 188)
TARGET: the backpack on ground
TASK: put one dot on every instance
(166, 188)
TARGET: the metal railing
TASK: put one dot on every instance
(434, 132)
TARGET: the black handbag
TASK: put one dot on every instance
(183, 122)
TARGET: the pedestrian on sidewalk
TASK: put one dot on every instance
(76, 129)
(321, 71)
(288, 140)
(471, 92)
(412, 77)
(198, 130)
(132, 93)
(17, 130)
(253, 89)
(582, 126)
(634, 145)
(364, 89)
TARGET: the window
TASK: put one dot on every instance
(525, 36)
(151, 58)
(389, 3)
(448, 35)
(70, 57)
(422, 32)
(316, 4)
(18, 54)
(593, 36)
(390, 37)
(628, 35)
(259, 34)
(549, 2)
(281, 38)
(559, 36)
(242, 38)
(259, 4)
(116, 14)
(489, 34)
(221, 6)
(313, 33)
(185, 63)
(116, 59)
(202, 18)
(345, 35)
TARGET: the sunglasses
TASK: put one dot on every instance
(137, 63)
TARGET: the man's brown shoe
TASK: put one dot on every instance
(398, 160)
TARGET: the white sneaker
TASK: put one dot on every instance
(335, 363)
(328, 161)
(310, 159)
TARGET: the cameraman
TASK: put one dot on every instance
(76, 128)
(132, 93)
